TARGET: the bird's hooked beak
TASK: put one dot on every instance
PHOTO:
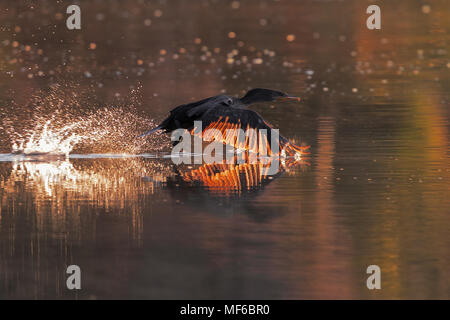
(289, 98)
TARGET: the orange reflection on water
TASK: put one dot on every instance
(227, 179)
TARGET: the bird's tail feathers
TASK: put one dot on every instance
(150, 132)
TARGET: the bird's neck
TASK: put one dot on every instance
(245, 101)
(249, 100)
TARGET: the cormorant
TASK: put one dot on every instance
(225, 112)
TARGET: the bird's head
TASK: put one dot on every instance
(265, 95)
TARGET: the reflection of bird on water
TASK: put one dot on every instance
(235, 178)
(228, 179)
(224, 112)
(228, 188)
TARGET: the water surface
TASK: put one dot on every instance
(374, 189)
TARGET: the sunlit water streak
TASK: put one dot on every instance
(46, 157)
(14, 157)
(113, 179)
(110, 184)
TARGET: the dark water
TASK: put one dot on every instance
(374, 190)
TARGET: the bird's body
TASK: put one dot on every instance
(225, 112)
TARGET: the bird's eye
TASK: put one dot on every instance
(228, 102)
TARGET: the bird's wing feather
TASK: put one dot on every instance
(235, 115)
(188, 106)
(229, 119)
(179, 116)
(198, 110)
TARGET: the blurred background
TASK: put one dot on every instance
(374, 189)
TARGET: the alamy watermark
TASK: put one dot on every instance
(73, 21)
(374, 280)
(74, 280)
(374, 20)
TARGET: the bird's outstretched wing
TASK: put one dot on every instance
(244, 129)
(180, 116)
(188, 106)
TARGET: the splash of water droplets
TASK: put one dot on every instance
(58, 128)
(48, 140)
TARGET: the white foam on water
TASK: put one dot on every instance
(48, 141)
(105, 131)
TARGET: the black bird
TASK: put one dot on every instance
(225, 112)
